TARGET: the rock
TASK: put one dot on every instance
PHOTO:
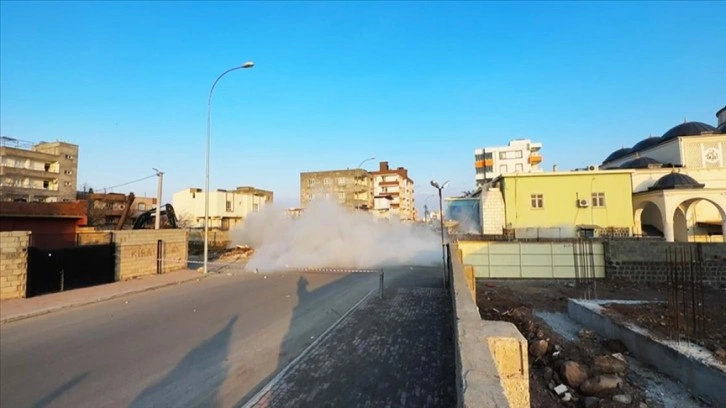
(567, 397)
(573, 373)
(720, 353)
(642, 405)
(558, 347)
(620, 357)
(561, 389)
(551, 385)
(540, 334)
(538, 348)
(609, 365)
(585, 334)
(591, 402)
(623, 399)
(547, 374)
(614, 345)
(602, 384)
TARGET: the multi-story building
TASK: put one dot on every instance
(44, 172)
(519, 156)
(350, 188)
(393, 193)
(227, 208)
(106, 209)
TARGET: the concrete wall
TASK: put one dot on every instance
(136, 252)
(491, 357)
(94, 237)
(13, 264)
(645, 260)
(527, 260)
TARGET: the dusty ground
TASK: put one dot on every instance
(655, 317)
(517, 302)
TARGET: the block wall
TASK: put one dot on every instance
(138, 252)
(13, 264)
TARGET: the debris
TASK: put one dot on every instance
(623, 399)
(573, 373)
(126, 302)
(720, 353)
(490, 285)
(548, 373)
(614, 345)
(570, 285)
(538, 348)
(601, 384)
(591, 402)
(620, 357)
(567, 397)
(585, 334)
(496, 310)
(560, 389)
(609, 365)
(642, 405)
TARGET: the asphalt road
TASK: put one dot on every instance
(207, 343)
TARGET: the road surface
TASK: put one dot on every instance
(207, 343)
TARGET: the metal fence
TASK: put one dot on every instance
(686, 311)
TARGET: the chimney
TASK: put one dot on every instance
(383, 166)
(554, 167)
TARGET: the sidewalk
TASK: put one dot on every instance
(396, 351)
(17, 309)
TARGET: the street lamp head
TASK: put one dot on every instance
(434, 184)
(248, 64)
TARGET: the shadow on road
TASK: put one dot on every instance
(197, 379)
(53, 395)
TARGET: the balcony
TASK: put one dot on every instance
(30, 173)
(483, 163)
(534, 159)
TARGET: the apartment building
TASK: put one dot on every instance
(106, 209)
(393, 193)
(42, 172)
(227, 208)
(351, 188)
(519, 156)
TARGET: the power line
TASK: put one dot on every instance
(129, 182)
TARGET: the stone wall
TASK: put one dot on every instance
(645, 260)
(94, 237)
(13, 264)
(492, 369)
(137, 252)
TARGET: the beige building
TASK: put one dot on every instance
(679, 182)
(227, 208)
(519, 156)
(43, 172)
(350, 188)
(393, 193)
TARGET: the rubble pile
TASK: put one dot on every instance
(584, 373)
(238, 252)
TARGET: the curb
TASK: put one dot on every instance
(92, 301)
(256, 398)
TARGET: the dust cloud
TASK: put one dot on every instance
(327, 235)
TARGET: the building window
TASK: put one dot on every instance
(518, 167)
(503, 168)
(68, 172)
(67, 183)
(537, 201)
(311, 182)
(341, 197)
(142, 206)
(310, 196)
(229, 206)
(255, 207)
(326, 181)
(46, 184)
(341, 181)
(510, 155)
(598, 200)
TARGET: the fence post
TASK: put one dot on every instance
(381, 283)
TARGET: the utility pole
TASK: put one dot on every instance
(441, 220)
(157, 222)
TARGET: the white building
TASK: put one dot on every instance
(393, 194)
(519, 156)
(227, 208)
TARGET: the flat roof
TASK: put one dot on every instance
(568, 173)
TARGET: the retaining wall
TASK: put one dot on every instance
(491, 357)
(13, 264)
(138, 251)
(645, 260)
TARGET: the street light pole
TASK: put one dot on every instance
(157, 222)
(441, 219)
(206, 180)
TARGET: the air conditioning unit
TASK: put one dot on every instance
(593, 167)
(583, 203)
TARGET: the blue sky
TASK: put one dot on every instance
(420, 85)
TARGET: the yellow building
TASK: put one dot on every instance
(567, 204)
